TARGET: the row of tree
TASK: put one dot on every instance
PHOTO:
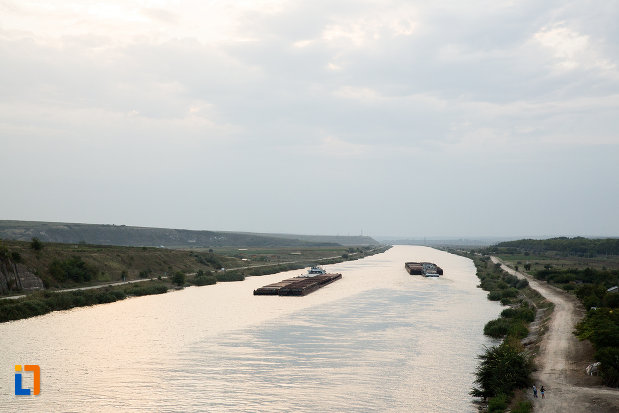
(565, 246)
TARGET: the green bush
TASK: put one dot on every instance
(609, 365)
(178, 278)
(495, 295)
(518, 329)
(36, 244)
(225, 276)
(509, 293)
(45, 301)
(204, 280)
(141, 290)
(601, 327)
(502, 369)
(497, 328)
(522, 284)
(497, 404)
(73, 269)
(611, 300)
(523, 313)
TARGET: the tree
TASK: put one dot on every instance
(502, 369)
(178, 278)
(36, 244)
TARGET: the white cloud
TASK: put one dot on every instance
(571, 50)
(360, 87)
(368, 29)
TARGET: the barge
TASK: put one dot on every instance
(298, 286)
(427, 269)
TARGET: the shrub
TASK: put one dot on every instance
(16, 257)
(502, 369)
(178, 278)
(497, 404)
(497, 328)
(73, 269)
(523, 313)
(509, 293)
(611, 300)
(36, 244)
(495, 295)
(204, 280)
(230, 276)
(139, 291)
(522, 284)
(609, 365)
(518, 329)
(506, 301)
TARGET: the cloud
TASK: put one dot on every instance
(571, 50)
(258, 87)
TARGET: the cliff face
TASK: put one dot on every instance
(17, 277)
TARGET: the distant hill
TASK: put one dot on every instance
(346, 240)
(445, 242)
(122, 235)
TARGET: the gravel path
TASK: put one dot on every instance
(560, 359)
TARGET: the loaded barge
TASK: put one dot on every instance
(427, 269)
(299, 286)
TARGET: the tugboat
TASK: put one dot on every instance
(315, 270)
(427, 269)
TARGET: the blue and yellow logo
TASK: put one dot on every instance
(19, 391)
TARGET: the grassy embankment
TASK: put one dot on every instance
(63, 266)
(587, 269)
(505, 369)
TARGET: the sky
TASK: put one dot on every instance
(387, 118)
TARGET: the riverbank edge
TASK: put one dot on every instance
(516, 402)
(46, 301)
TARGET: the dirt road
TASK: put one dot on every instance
(562, 359)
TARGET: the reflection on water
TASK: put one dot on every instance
(377, 340)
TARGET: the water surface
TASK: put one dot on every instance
(379, 340)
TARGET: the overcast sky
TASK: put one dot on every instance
(395, 118)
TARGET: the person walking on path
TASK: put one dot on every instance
(542, 391)
(534, 391)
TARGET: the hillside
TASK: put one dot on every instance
(70, 265)
(345, 240)
(71, 233)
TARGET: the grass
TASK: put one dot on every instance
(43, 302)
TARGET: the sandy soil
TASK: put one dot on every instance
(562, 359)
